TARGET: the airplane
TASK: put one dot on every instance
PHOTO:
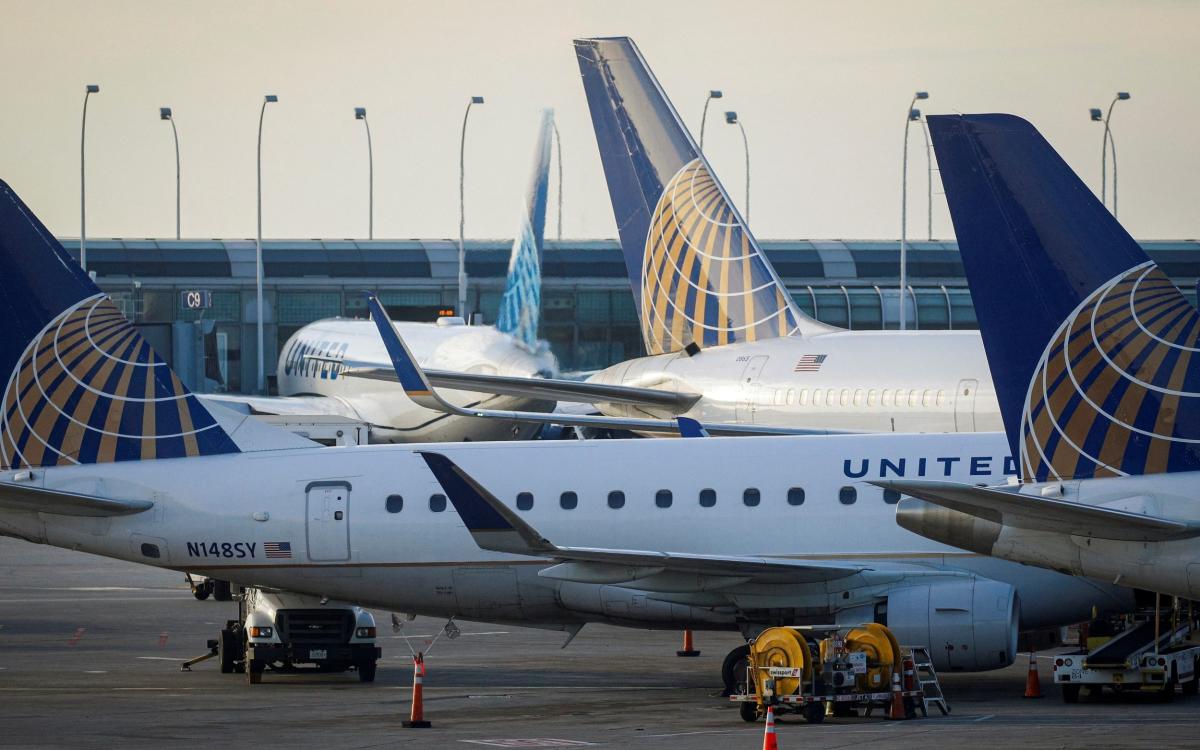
(104, 450)
(727, 343)
(314, 361)
(1092, 350)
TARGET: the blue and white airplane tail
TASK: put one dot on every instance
(522, 302)
(81, 384)
(1092, 348)
(697, 272)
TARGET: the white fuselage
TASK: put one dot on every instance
(871, 381)
(370, 525)
(1169, 567)
(313, 361)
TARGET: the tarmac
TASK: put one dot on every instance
(90, 655)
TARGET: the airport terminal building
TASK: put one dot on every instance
(587, 306)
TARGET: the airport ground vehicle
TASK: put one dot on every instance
(834, 669)
(285, 632)
(1150, 655)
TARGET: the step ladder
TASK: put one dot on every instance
(927, 679)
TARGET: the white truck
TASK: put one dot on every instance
(1149, 656)
(284, 632)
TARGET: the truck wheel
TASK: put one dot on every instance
(1070, 693)
(1192, 686)
(229, 651)
(366, 671)
(254, 671)
(748, 710)
(1168, 691)
(733, 669)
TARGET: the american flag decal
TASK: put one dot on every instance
(278, 549)
(810, 363)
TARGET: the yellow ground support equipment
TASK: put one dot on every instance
(820, 669)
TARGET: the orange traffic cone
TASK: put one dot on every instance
(687, 645)
(896, 708)
(416, 719)
(1033, 684)
(769, 741)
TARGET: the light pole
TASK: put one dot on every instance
(164, 113)
(928, 178)
(462, 212)
(911, 116)
(732, 119)
(558, 155)
(713, 94)
(91, 89)
(258, 257)
(360, 113)
(1107, 144)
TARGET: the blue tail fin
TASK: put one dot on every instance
(697, 272)
(1091, 346)
(522, 302)
(82, 384)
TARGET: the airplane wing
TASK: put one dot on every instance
(1044, 513)
(57, 502)
(299, 406)
(543, 389)
(419, 389)
(494, 526)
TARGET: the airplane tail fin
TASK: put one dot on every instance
(82, 386)
(1091, 346)
(698, 275)
(522, 302)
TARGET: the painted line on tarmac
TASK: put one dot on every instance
(431, 635)
(518, 688)
(709, 731)
(161, 658)
(98, 599)
(985, 717)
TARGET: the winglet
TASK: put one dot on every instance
(690, 428)
(493, 525)
(412, 379)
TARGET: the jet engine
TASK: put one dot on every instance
(968, 625)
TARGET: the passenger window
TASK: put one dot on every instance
(708, 498)
(568, 500)
(941, 397)
(926, 397)
(899, 400)
(525, 501)
(883, 397)
(845, 400)
(437, 503)
(858, 397)
(804, 397)
(891, 497)
(751, 497)
(913, 395)
(796, 496)
(847, 495)
(616, 499)
(663, 498)
(871, 397)
(791, 396)
(818, 397)
(831, 397)
(394, 504)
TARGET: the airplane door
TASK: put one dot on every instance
(327, 521)
(749, 388)
(964, 406)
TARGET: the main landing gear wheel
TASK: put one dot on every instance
(201, 592)
(733, 670)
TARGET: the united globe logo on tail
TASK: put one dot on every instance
(89, 389)
(704, 278)
(1104, 399)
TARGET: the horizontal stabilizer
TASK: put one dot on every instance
(1010, 508)
(25, 497)
(494, 526)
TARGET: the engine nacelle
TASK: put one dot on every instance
(968, 625)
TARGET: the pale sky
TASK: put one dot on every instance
(820, 86)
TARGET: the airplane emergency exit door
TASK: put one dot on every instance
(327, 521)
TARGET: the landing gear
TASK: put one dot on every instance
(733, 670)
(221, 591)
